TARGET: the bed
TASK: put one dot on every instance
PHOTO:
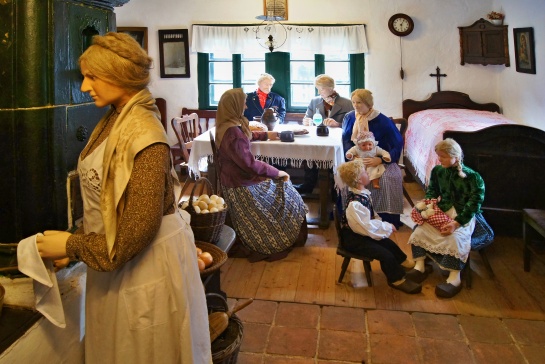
(510, 158)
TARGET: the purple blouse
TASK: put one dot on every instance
(238, 165)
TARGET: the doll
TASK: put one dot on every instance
(366, 147)
(428, 211)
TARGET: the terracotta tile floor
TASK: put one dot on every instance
(294, 333)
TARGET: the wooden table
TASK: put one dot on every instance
(536, 220)
(324, 152)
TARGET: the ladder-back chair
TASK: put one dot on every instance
(186, 129)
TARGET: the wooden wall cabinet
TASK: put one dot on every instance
(484, 43)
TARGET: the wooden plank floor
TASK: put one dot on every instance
(309, 275)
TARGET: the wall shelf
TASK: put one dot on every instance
(484, 43)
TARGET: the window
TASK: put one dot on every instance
(294, 74)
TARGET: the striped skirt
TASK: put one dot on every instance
(389, 197)
(267, 216)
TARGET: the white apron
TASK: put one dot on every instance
(457, 244)
(152, 309)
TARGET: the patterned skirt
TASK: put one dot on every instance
(389, 197)
(267, 216)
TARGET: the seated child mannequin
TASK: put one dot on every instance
(366, 235)
(366, 147)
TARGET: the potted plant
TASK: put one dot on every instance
(495, 17)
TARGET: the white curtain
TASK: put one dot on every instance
(301, 38)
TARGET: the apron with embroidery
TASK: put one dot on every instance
(153, 308)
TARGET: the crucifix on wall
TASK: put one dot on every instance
(438, 74)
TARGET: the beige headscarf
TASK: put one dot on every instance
(230, 109)
(137, 127)
(362, 123)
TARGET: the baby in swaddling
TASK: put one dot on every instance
(366, 147)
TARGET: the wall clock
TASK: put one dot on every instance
(401, 24)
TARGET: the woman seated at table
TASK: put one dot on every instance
(263, 98)
(388, 199)
(267, 213)
(333, 108)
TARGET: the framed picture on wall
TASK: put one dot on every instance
(525, 56)
(276, 7)
(140, 34)
(174, 53)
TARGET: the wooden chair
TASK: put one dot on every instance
(402, 124)
(205, 115)
(348, 255)
(162, 106)
(186, 129)
(215, 168)
(294, 117)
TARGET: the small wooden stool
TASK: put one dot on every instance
(536, 220)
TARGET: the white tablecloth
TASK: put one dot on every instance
(324, 152)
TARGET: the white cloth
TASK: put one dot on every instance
(46, 289)
(301, 38)
(361, 222)
(322, 152)
(153, 308)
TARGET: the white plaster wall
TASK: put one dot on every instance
(434, 42)
(522, 95)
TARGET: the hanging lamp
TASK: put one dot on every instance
(271, 34)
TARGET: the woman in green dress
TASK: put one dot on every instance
(460, 191)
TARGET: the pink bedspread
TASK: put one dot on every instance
(426, 129)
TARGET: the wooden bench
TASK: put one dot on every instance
(208, 115)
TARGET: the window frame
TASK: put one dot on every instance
(277, 64)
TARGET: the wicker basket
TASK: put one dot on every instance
(218, 255)
(206, 227)
(226, 347)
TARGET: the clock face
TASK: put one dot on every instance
(401, 24)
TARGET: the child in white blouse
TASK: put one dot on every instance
(365, 235)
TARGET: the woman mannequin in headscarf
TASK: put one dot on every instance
(267, 213)
(145, 300)
(388, 199)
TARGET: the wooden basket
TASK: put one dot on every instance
(218, 255)
(226, 347)
(206, 227)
